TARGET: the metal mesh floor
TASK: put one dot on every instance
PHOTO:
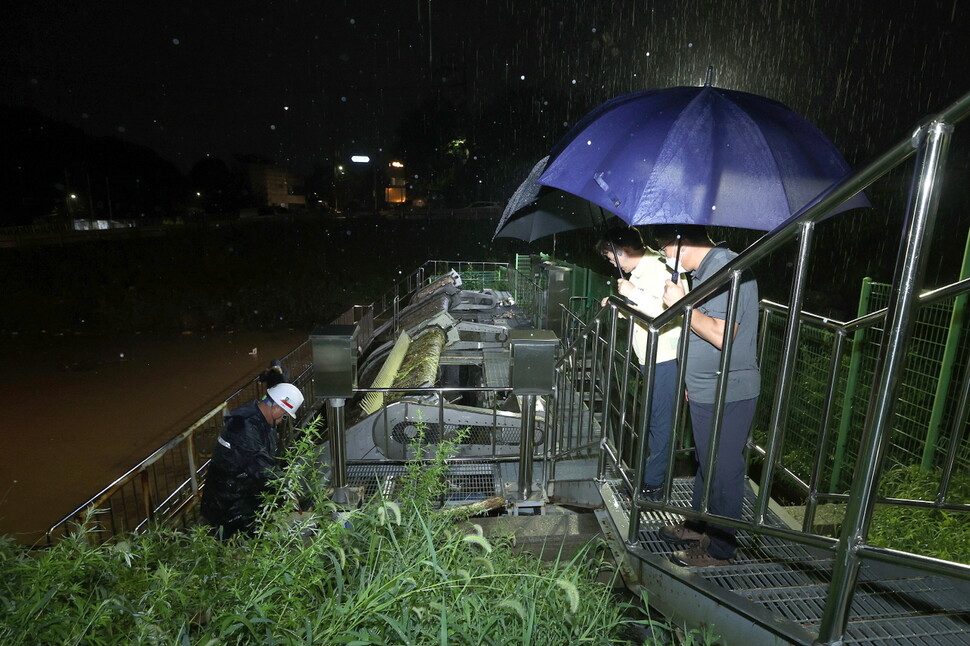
(467, 481)
(791, 581)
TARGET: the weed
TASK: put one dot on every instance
(399, 572)
(930, 532)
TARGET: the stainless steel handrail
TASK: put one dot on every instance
(930, 142)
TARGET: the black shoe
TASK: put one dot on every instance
(651, 492)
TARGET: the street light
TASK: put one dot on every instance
(365, 159)
(71, 205)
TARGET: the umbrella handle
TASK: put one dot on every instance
(616, 259)
(674, 274)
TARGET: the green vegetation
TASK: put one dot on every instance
(930, 532)
(387, 573)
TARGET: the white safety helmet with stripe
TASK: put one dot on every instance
(286, 396)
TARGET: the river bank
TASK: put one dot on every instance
(109, 348)
(83, 410)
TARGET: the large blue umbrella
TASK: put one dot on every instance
(697, 155)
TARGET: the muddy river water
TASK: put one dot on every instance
(79, 411)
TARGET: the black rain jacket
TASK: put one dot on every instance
(242, 463)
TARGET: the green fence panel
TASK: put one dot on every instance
(927, 398)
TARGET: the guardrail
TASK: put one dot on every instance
(165, 486)
(850, 549)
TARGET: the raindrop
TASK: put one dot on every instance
(343, 99)
(272, 126)
(353, 21)
(176, 41)
(34, 81)
(690, 44)
(522, 78)
(121, 128)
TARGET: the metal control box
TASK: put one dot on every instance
(558, 292)
(334, 361)
(533, 361)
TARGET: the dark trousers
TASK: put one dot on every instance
(661, 423)
(727, 491)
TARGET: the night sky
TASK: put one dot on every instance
(293, 79)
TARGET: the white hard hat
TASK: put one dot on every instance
(286, 396)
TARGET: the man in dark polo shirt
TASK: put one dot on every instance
(708, 543)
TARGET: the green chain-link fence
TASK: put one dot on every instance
(927, 395)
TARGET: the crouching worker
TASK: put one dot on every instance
(243, 460)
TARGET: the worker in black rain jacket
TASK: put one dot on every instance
(243, 460)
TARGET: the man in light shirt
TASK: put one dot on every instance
(624, 248)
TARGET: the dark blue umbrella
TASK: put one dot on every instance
(697, 155)
(535, 211)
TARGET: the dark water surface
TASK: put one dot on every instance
(80, 411)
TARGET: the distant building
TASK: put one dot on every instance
(272, 185)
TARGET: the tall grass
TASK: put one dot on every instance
(938, 533)
(390, 572)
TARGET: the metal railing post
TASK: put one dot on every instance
(825, 430)
(640, 456)
(337, 423)
(146, 496)
(720, 396)
(607, 388)
(933, 142)
(527, 448)
(789, 356)
(624, 389)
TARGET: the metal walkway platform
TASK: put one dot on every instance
(778, 587)
(467, 481)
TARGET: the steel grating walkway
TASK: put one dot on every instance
(467, 481)
(891, 605)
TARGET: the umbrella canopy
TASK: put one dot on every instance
(535, 211)
(697, 155)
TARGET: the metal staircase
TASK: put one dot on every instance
(790, 583)
(776, 589)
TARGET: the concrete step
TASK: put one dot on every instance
(547, 537)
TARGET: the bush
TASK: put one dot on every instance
(930, 532)
(387, 573)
